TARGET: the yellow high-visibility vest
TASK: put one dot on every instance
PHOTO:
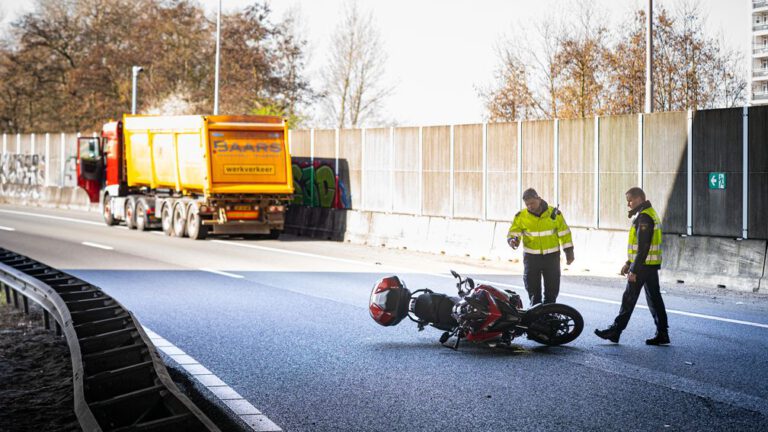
(541, 234)
(654, 254)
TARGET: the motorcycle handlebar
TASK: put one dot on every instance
(469, 281)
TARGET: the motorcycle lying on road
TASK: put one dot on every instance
(480, 314)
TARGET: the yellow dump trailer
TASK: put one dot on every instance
(194, 174)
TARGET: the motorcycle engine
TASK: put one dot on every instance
(471, 311)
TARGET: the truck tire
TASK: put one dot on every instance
(179, 220)
(274, 234)
(130, 213)
(195, 228)
(106, 210)
(166, 219)
(142, 223)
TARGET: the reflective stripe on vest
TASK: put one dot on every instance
(540, 251)
(654, 254)
(542, 234)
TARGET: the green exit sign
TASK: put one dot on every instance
(716, 180)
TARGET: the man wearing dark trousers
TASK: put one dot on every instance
(642, 270)
(543, 231)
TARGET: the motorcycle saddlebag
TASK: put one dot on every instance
(389, 301)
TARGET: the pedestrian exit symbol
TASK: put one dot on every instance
(717, 180)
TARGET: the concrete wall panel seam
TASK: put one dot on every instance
(640, 150)
(689, 198)
(421, 171)
(336, 150)
(556, 150)
(484, 212)
(745, 172)
(363, 176)
(452, 174)
(519, 162)
(597, 172)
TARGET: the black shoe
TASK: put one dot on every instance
(611, 333)
(661, 338)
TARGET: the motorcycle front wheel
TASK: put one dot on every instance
(554, 324)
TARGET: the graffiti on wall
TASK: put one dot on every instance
(21, 175)
(22, 169)
(316, 184)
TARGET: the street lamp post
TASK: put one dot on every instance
(649, 59)
(135, 76)
(218, 48)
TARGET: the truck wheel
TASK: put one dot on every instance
(195, 228)
(167, 220)
(142, 224)
(179, 220)
(130, 213)
(274, 234)
(106, 211)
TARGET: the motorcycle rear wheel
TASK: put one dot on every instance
(554, 324)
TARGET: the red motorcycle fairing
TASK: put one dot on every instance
(488, 296)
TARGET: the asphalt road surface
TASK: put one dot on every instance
(285, 324)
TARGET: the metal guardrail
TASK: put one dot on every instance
(120, 382)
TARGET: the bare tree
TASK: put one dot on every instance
(581, 57)
(528, 78)
(547, 73)
(509, 99)
(353, 78)
(577, 71)
(625, 68)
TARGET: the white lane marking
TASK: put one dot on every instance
(248, 413)
(305, 254)
(222, 273)
(5, 228)
(669, 311)
(581, 297)
(671, 381)
(98, 246)
(62, 218)
(311, 255)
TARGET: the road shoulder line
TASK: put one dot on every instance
(243, 409)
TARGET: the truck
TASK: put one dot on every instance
(190, 175)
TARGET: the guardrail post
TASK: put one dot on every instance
(25, 302)
(58, 329)
(7, 290)
(46, 320)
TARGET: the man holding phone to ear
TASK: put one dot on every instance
(543, 231)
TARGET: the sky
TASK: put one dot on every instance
(440, 52)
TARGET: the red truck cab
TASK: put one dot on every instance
(99, 160)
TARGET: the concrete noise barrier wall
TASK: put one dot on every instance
(703, 261)
(67, 197)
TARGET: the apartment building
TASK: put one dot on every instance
(759, 64)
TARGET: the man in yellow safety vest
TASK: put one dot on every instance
(543, 231)
(642, 270)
